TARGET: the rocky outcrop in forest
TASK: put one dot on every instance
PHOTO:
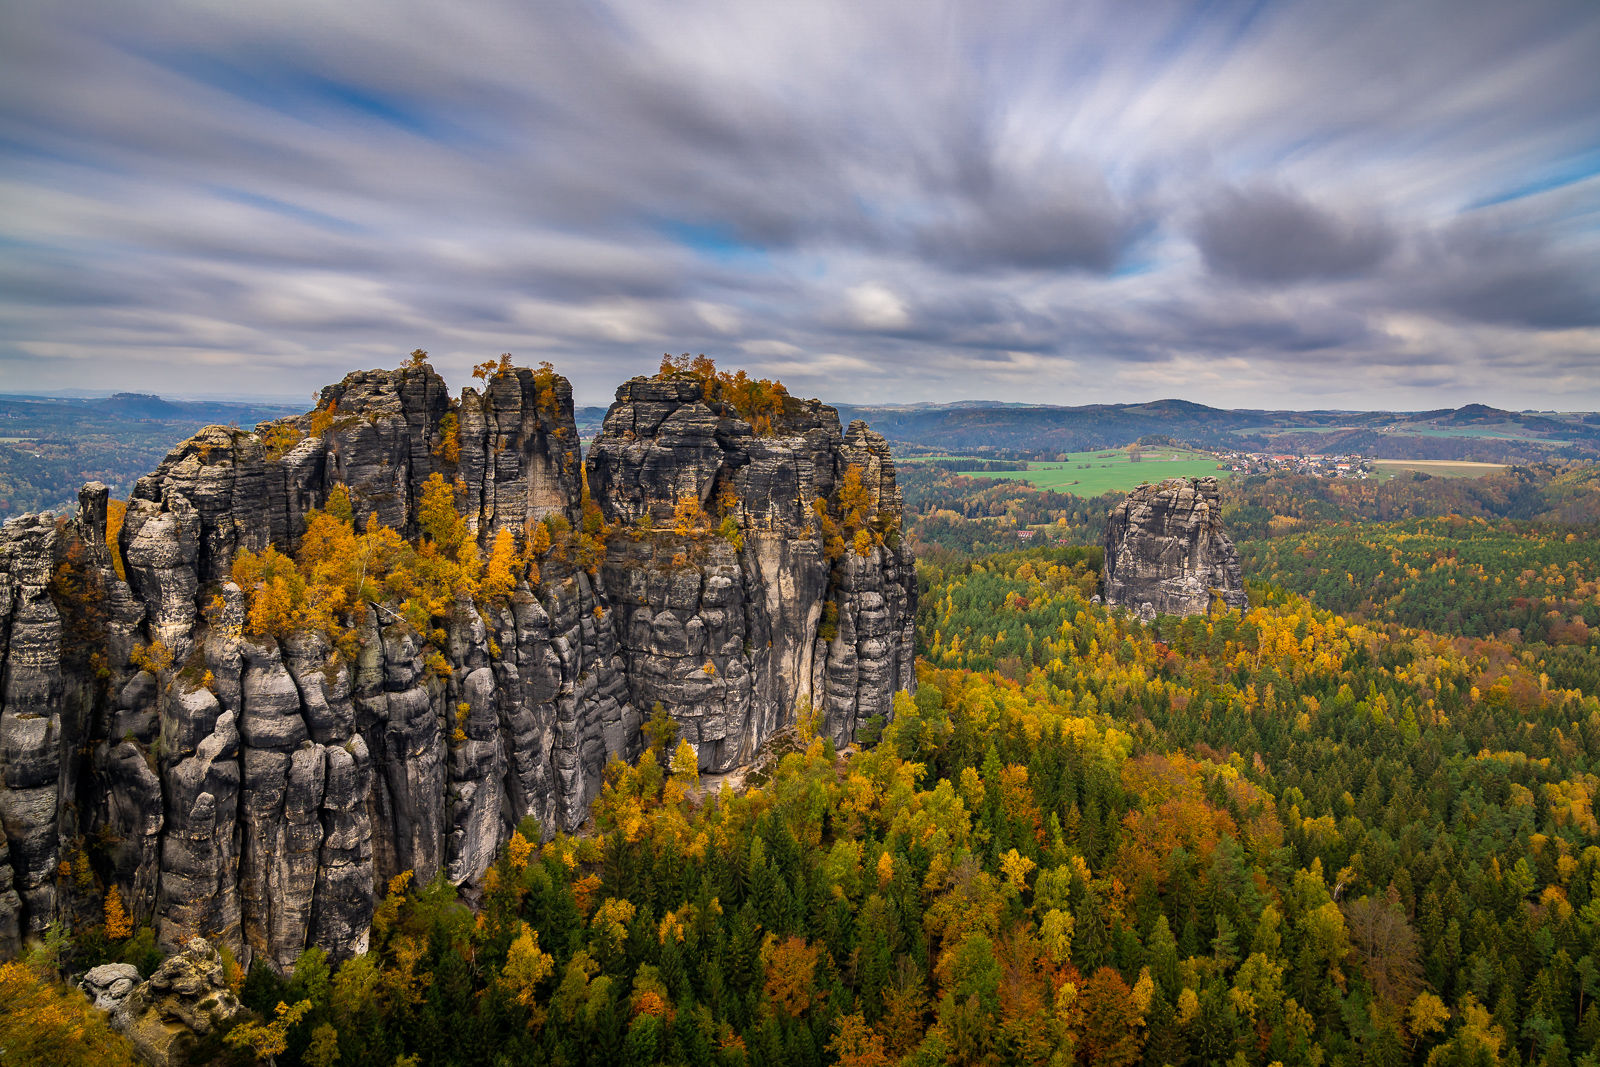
(260, 787)
(1166, 552)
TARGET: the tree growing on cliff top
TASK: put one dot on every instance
(759, 401)
(336, 570)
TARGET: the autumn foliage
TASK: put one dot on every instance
(756, 400)
(42, 1022)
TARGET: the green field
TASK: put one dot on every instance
(1106, 473)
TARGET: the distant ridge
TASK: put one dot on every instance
(1471, 432)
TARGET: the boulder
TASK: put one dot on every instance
(109, 984)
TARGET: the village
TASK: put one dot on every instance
(1344, 466)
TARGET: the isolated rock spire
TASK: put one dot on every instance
(1166, 552)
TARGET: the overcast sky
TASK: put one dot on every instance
(1351, 204)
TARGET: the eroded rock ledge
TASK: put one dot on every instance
(261, 793)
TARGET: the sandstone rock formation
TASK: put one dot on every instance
(262, 792)
(109, 984)
(1166, 552)
(187, 997)
(728, 640)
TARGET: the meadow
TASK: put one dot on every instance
(1089, 474)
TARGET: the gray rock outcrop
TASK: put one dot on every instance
(109, 984)
(262, 792)
(1166, 552)
(187, 997)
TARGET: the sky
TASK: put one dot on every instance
(1267, 204)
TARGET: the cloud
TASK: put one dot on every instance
(1366, 203)
(876, 307)
(1272, 235)
(1065, 218)
(1489, 274)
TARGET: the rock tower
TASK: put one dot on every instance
(1166, 552)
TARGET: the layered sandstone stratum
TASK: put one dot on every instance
(1166, 552)
(261, 790)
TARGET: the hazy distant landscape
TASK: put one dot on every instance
(51, 446)
(1474, 432)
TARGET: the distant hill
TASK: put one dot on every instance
(589, 420)
(50, 446)
(1473, 432)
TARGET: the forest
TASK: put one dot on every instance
(1262, 506)
(950, 512)
(1352, 824)
(1528, 581)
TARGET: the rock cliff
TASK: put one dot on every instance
(730, 638)
(1166, 552)
(262, 791)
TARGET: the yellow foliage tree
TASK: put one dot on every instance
(322, 419)
(324, 1048)
(519, 848)
(118, 924)
(449, 447)
(854, 498)
(525, 969)
(885, 870)
(1427, 1015)
(155, 658)
(857, 1044)
(45, 1023)
(276, 590)
(116, 511)
(266, 1041)
(499, 578)
(791, 969)
(688, 517)
(1016, 867)
(610, 924)
(685, 764)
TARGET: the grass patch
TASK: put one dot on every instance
(1089, 474)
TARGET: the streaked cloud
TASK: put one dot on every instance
(1247, 203)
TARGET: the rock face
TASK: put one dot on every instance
(263, 792)
(731, 640)
(1166, 552)
(187, 997)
